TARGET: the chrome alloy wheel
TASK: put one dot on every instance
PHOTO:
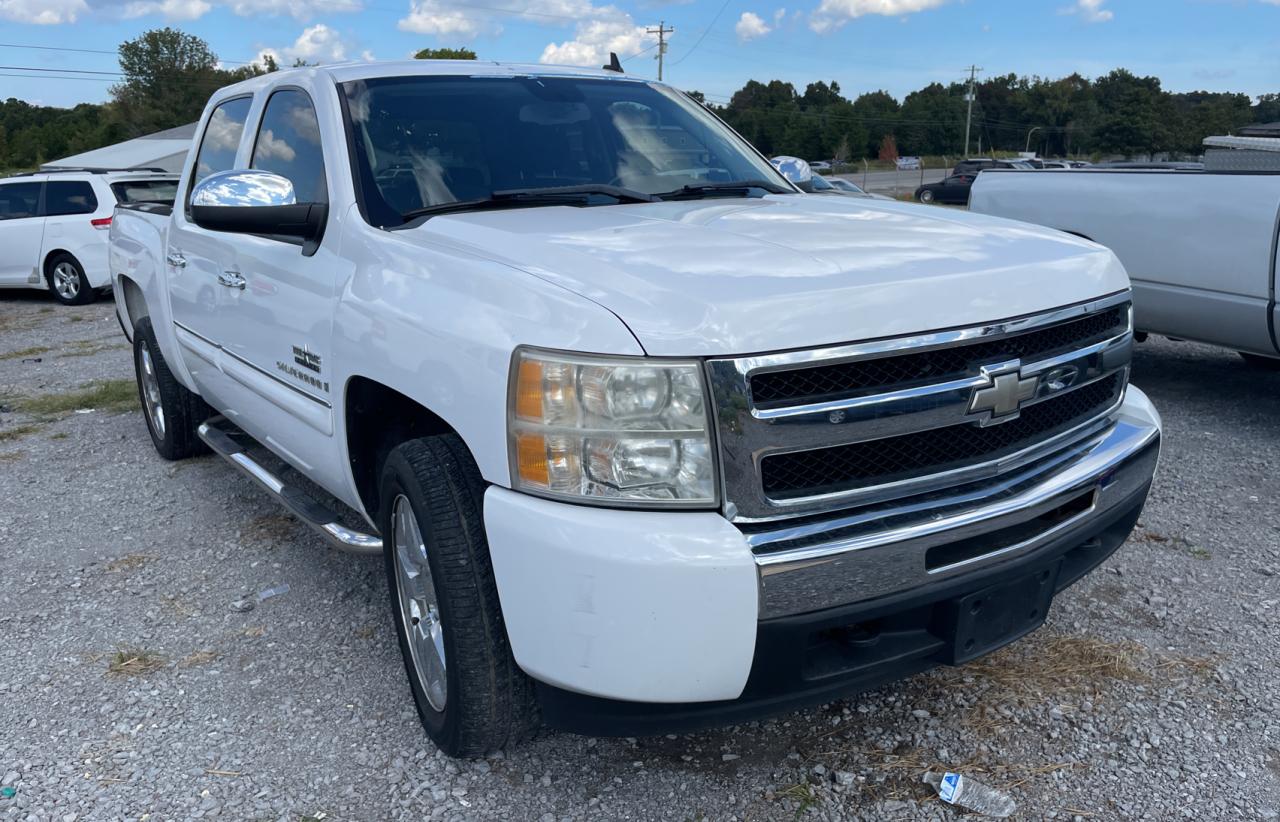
(151, 392)
(419, 607)
(66, 280)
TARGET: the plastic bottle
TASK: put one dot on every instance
(957, 789)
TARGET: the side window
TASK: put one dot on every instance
(18, 200)
(288, 144)
(221, 139)
(69, 197)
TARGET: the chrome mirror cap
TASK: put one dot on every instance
(241, 188)
(793, 168)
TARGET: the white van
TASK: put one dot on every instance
(53, 226)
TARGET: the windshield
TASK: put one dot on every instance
(424, 141)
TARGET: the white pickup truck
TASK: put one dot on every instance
(1200, 246)
(647, 437)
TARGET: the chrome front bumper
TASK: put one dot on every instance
(888, 550)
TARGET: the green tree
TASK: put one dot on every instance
(878, 113)
(1135, 116)
(445, 54)
(168, 76)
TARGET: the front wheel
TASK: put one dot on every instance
(67, 281)
(471, 696)
(926, 196)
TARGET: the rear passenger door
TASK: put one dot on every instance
(21, 231)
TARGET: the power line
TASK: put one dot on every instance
(703, 36)
(93, 51)
(61, 71)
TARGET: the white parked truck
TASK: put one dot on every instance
(646, 437)
(1199, 246)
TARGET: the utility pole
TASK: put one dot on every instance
(662, 31)
(973, 75)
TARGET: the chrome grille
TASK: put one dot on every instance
(884, 373)
(824, 470)
(809, 432)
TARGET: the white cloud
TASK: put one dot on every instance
(611, 30)
(1091, 11)
(447, 18)
(832, 14)
(750, 26)
(42, 12)
(316, 44)
(169, 9)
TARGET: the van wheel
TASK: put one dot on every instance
(1259, 361)
(171, 410)
(67, 281)
(471, 696)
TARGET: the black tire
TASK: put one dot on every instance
(63, 263)
(489, 702)
(1259, 361)
(925, 196)
(174, 432)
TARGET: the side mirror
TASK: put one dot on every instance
(794, 169)
(246, 201)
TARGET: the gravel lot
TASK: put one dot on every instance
(1152, 692)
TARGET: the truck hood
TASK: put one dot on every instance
(737, 276)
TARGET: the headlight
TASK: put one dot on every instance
(610, 430)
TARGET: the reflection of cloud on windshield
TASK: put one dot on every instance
(358, 101)
(302, 119)
(428, 174)
(272, 148)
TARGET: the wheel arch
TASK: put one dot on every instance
(135, 303)
(377, 419)
(51, 255)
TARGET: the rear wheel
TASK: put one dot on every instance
(926, 196)
(67, 281)
(1259, 361)
(171, 410)
(471, 696)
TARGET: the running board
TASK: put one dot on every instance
(295, 499)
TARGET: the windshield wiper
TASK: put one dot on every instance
(518, 197)
(736, 188)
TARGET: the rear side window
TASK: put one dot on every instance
(145, 191)
(69, 197)
(221, 139)
(288, 144)
(18, 200)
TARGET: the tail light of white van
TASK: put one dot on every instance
(101, 224)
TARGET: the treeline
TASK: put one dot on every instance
(167, 75)
(1117, 114)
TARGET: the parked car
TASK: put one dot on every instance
(973, 166)
(849, 187)
(53, 226)
(1058, 164)
(641, 445)
(953, 190)
(1200, 246)
(819, 165)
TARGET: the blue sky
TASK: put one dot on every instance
(897, 45)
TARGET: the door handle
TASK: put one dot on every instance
(232, 279)
(175, 259)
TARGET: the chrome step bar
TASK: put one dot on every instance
(295, 499)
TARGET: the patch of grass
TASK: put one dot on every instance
(75, 318)
(199, 658)
(128, 562)
(60, 435)
(33, 351)
(1059, 662)
(111, 396)
(13, 456)
(802, 793)
(135, 662)
(18, 432)
(87, 348)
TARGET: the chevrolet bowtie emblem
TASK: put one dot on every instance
(1004, 394)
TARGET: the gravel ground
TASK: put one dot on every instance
(130, 687)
